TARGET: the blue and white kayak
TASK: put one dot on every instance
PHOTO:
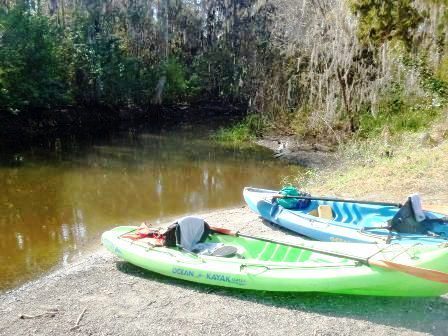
(349, 221)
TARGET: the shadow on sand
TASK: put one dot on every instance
(418, 314)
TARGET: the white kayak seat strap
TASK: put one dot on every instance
(417, 207)
(192, 230)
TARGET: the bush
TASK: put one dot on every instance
(399, 113)
(32, 71)
(176, 84)
(243, 131)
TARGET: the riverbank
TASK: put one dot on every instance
(388, 167)
(110, 297)
(53, 128)
(101, 295)
(299, 152)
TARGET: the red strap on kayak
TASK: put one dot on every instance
(153, 236)
(143, 231)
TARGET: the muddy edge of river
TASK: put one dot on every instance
(299, 152)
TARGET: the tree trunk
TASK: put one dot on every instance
(343, 84)
(53, 4)
(163, 17)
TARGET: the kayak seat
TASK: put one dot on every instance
(215, 250)
(313, 213)
(323, 211)
(191, 233)
(410, 218)
(225, 251)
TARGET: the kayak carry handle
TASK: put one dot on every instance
(245, 267)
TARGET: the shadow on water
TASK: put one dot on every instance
(57, 200)
(418, 314)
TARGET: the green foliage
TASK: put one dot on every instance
(243, 131)
(91, 54)
(381, 20)
(136, 54)
(32, 73)
(442, 71)
(176, 84)
(218, 72)
(434, 84)
(194, 87)
(413, 119)
(399, 113)
(102, 71)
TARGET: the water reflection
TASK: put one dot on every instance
(51, 206)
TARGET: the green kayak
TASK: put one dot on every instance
(258, 264)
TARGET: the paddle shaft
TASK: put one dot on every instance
(398, 205)
(411, 270)
(331, 253)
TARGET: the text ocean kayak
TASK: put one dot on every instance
(269, 266)
(351, 222)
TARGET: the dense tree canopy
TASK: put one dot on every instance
(126, 53)
(305, 64)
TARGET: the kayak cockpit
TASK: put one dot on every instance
(261, 250)
(362, 215)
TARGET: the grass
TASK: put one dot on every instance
(393, 179)
(244, 131)
(412, 120)
(236, 133)
(389, 168)
(402, 112)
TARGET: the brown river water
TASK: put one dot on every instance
(54, 205)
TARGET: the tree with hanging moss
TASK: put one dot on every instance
(381, 21)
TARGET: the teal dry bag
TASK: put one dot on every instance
(293, 203)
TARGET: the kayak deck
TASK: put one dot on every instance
(362, 215)
(257, 250)
(350, 222)
(269, 266)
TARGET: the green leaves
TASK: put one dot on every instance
(177, 85)
(380, 21)
(32, 74)
(114, 54)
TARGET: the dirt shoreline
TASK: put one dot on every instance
(111, 297)
(290, 150)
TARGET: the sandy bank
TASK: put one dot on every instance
(120, 299)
